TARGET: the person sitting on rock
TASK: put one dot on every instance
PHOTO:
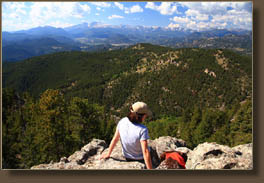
(133, 135)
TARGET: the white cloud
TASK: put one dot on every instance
(133, 9)
(202, 17)
(8, 25)
(241, 6)
(219, 14)
(173, 26)
(216, 8)
(17, 9)
(34, 14)
(194, 24)
(101, 4)
(119, 5)
(115, 16)
(136, 9)
(205, 7)
(49, 10)
(85, 7)
(59, 24)
(239, 19)
(180, 19)
(15, 5)
(233, 15)
(165, 8)
(151, 5)
(13, 15)
(202, 25)
(194, 14)
(191, 25)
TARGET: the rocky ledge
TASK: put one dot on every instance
(204, 156)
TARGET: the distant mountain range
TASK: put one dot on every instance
(96, 36)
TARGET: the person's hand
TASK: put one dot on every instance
(104, 156)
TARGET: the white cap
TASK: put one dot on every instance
(141, 108)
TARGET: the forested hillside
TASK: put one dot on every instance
(53, 104)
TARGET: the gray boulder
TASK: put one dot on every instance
(214, 156)
(89, 158)
(166, 143)
(204, 156)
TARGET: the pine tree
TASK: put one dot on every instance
(11, 130)
(195, 121)
(51, 125)
(241, 127)
(84, 120)
(205, 128)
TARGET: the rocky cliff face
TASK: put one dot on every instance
(204, 156)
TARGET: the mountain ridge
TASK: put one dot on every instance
(93, 34)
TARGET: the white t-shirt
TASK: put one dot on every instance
(130, 135)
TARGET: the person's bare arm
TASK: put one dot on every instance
(112, 145)
(146, 153)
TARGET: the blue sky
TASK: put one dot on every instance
(189, 15)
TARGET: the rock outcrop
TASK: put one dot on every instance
(204, 156)
(215, 156)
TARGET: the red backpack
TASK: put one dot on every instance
(173, 155)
